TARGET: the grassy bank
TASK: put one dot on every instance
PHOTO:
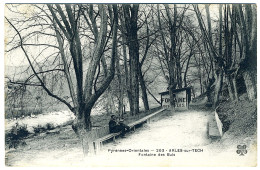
(18, 132)
(239, 119)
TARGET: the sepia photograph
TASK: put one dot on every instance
(104, 84)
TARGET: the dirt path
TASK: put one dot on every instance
(170, 134)
(172, 139)
(176, 139)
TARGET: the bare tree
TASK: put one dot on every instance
(248, 26)
(130, 19)
(67, 22)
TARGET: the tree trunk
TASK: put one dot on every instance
(133, 48)
(201, 85)
(143, 88)
(218, 88)
(172, 101)
(127, 75)
(131, 17)
(249, 32)
(199, 74)
(250, 85)
(178, 69)
(110, 106)
(209, 90)
(235, 87)
(120, 88)
(186, 69)
(218, 63)
(230, 86)
(128, 80)
(172, 56)
(82, 127)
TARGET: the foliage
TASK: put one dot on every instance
(238, 117)
(49, 126)
(15, 136)
(39, 129)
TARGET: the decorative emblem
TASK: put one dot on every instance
(241, 150)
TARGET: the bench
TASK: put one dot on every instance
(98, 143)
(145, 119)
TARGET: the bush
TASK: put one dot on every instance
(16, 135)
(50, 126)
(39, 129)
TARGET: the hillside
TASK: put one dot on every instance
(239, 120)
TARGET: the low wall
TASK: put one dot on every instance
(215, 125)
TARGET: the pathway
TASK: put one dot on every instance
(171, 139)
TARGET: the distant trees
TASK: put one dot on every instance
(176, 45)
(15, 98)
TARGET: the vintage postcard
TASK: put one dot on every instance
(130, 85)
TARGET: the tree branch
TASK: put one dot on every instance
(35, 73)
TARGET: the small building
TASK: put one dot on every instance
(182, 98)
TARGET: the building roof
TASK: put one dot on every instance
(175, 90)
